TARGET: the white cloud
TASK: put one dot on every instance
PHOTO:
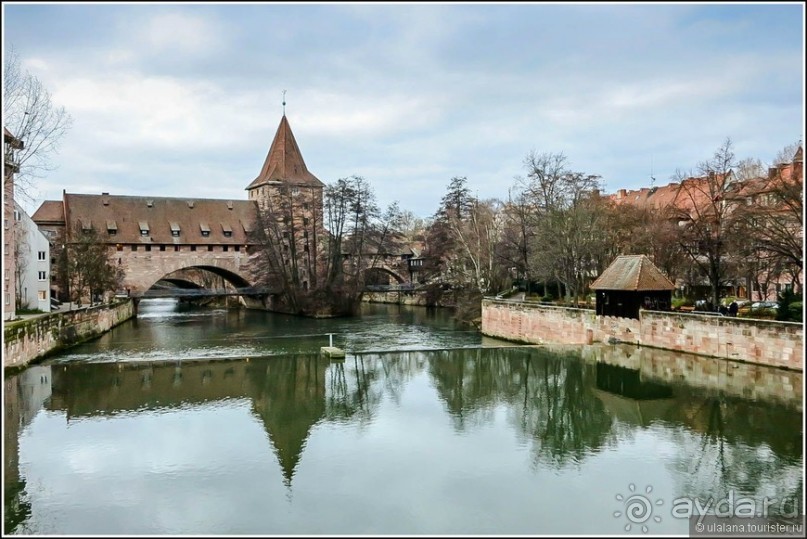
(179, 32)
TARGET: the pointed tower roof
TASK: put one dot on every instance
(284, 163)
(632, 272)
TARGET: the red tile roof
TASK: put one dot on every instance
(50, 212)
(128, 215)
(284, 162)
(632, 272)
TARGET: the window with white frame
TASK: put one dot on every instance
(41, 255)
(43, 275)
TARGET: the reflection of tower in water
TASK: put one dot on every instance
(290, 400)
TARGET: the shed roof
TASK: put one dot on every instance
(632, 272)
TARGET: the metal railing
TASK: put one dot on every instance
(202, 292)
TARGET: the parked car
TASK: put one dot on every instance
(759, 305)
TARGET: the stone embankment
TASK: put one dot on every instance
(32, 339)
(765, 342)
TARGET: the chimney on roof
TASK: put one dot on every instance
(190, 203)
(229, 204)
(149, 203)
(622, 193)
(105, 199)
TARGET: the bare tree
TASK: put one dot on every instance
(570, 237)
(750, 169)
(705, 207)
(286, 255)
(772, 214)
(22, 257)
(31, 116)
(786, 154)
(90, 269)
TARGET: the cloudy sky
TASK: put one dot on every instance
(184, 100)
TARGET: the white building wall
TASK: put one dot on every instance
(35, 285)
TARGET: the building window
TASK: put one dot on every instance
(112, 231)
(42, 295)
(6, 223)
(193, 247)
(176, 248)
(7, 300)
(119, 247)
(228, 233)
(237, 248)
(224, 248)
(148, 247)
(43, 275)
(175, 233)
(144, 232)
(209, 248)
(205, 233)
(134, 247)
(162, 247)
(41, 255)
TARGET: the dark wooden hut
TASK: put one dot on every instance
(630, 283)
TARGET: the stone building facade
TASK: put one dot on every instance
(10, 168)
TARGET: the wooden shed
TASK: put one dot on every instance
(630, 283)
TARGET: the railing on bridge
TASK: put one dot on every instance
(404, 287)
(202, 292)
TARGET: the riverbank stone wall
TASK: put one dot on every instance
(765, 342)
(32, 339)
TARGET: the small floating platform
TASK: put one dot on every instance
(332, 352)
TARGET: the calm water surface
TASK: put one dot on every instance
(228, 422)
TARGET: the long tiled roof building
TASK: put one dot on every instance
(146, 233)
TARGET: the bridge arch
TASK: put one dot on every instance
(375, 271)
(141, 273)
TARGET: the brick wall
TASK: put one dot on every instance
(777, 344)
(34, 338)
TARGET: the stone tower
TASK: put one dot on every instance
(290, 199)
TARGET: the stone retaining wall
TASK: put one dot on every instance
(777, 344)
(28, 340)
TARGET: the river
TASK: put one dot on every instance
(194, 421)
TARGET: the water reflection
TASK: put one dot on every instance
(564, 409)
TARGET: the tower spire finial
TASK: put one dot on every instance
(284, 102)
